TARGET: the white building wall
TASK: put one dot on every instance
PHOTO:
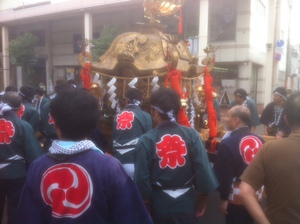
(258, 50)
(203, 28)
(238, 50)
(62, 45)
(56, 7)
(260, 86)
(9, 4)
(267, 76)
(244, 78)
(249, 47)
(258, 33)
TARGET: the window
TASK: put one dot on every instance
(222, 20)
(41, 39)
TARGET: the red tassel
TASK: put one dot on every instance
(212, 117)
(85, 75)
(174, 77)
(180, 29)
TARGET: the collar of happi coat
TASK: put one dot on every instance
(134, 106)
(243, 129)
(71, 147)
(4, 107)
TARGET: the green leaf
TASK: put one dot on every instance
(22, 49)
(102, 44)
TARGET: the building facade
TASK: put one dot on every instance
(243, 32)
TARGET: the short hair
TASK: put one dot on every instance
(243, 113)
(281, 92)
(63, 86)
(72, 82)
(12, 99)
(241, 93)
(166, 100)
(76, 112)
(292, 109)
(27, 93)
(40, 91)
(11, 88)
(60, 81)
(134, 94)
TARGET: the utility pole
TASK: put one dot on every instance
(288, 47)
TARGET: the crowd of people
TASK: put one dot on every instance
(54, 169)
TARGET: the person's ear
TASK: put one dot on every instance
(57, 130)
(286, 121)
(236, 120)
(154, 113)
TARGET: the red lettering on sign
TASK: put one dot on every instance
(124, 120)
(171, 150)
(7, 131)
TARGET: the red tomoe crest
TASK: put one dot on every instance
(249, 146)
(68, 189)
(171, 150)
(21, 111)
(7, 131)
(51, 120)
(124, 120)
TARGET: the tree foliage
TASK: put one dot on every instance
(102, 44)
(22, 49)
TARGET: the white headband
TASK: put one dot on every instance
(284, 97)
(22, 94)
(135, 102)
(169, 113)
